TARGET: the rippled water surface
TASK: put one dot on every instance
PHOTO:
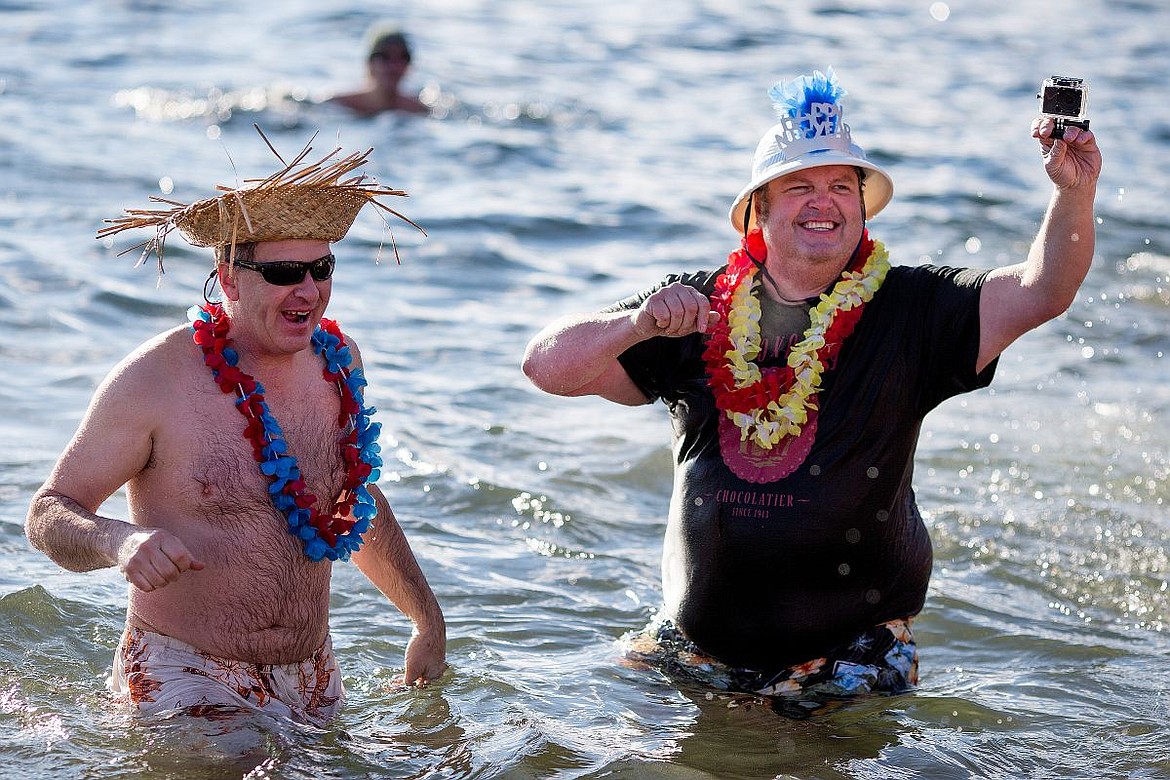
(579, 152)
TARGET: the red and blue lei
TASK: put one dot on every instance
(332, 534)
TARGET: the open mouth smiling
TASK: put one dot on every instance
(297, 317)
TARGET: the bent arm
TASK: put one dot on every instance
(1018, 298)
(578, 355)
(388, 562)
(112, 445)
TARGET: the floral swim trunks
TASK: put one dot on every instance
(882, 659)
(155, 673)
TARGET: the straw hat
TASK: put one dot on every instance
(811, 133)
(300, 201)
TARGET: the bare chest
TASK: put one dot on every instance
(205, 469)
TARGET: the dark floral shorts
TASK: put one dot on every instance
(881, 659)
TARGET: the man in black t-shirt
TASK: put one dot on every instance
(797, 377)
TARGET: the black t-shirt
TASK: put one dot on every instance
(773, 559)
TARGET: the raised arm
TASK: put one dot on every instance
(388, 562)
(577, 355)
(1019, 297)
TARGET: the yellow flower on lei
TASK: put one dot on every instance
(786, 415)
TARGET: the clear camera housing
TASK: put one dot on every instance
(1064, 96)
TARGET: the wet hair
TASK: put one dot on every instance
(383, 37)
(245, 250)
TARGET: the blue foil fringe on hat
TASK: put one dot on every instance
(795, 98)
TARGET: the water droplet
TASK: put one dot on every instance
(940, 12)
(871, 472)
(843, 570)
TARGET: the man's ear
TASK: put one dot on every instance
(227, 282)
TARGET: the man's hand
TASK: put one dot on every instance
(154, 558)
(425, 658)
(675, 310)
(1072, 161)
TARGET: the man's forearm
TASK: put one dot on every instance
(572, 352)
(72, 536)
(388, 562)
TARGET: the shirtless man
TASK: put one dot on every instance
(228, 607)
(797, 378)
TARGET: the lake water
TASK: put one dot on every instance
(585, 149)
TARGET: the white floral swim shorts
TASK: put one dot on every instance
(156, 673)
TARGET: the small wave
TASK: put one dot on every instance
(219, 105)
(290, 102)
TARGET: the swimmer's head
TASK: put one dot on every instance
(388, 43)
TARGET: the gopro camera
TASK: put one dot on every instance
(1065, 99)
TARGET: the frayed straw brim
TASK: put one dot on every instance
(301, 201)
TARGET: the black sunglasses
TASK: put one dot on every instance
(285, 273)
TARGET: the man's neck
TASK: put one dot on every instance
(279, 369)
(794, 281)
(268, 367)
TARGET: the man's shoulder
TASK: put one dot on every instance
(702, 280)
(927, 278)
(928, 271)
(159, 359)
(167, 345)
